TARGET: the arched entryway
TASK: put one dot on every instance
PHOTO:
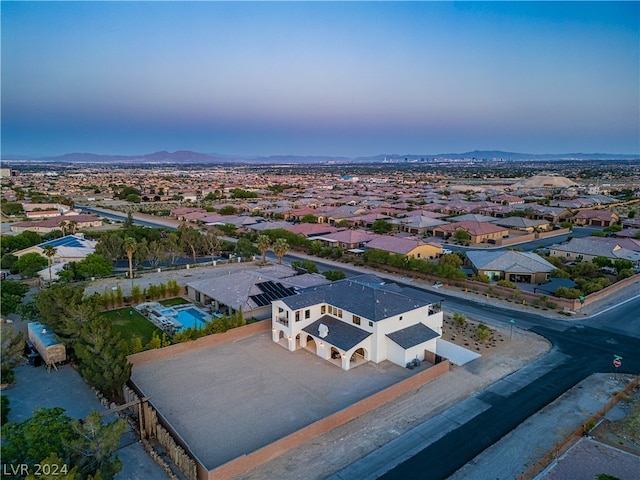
(359, 357)
(311, 344)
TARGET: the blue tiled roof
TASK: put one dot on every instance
(363, 299)
(413, 335)
(341, 334)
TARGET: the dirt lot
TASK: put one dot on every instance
(342, 446)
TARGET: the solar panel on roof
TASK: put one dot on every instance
(68, 241)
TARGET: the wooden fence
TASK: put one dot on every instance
(153, 426)
(561, 447)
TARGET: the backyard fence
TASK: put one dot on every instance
(153, 426)
(561, 447)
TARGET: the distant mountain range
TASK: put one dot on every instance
(186, 156)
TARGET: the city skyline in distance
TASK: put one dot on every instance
(320, 79)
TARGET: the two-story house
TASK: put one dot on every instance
(359, 319)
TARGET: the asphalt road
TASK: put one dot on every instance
(588, 346)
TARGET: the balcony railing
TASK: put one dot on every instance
(283, 321)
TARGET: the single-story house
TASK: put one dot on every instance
(71, 248)
(596, 218)
(250, 290)
(480, 232)
(411, 247)
(510, 265)
(588, 248)
(57, 223)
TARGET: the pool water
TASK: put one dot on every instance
(191, 317)
(167, 312)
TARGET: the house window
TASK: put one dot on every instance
(297, 316)
(307, 314)
(356, 320)
(344, 245)
(370, 323)
(323, 309)
(339, 313)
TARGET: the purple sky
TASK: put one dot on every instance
(326, 78)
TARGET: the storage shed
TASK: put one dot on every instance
(46, 343)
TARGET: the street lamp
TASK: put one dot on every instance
(511, 323)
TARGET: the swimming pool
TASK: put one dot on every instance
(167, 312)
(191, 317)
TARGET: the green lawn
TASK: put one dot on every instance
(170, 302)
(131, 324)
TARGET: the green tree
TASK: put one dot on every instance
(334, 275)
(129, 246)
(93, 265)
(93, 450)
(622, 264)
(190, 239)
(102, 354)
(48, 431)
(245, 248)
(8, 261)
(280, 248)
(49, 251)
(11, 296)
(450, 259)
(110, 247)
(309, 218)
(4, 409)
(136, 294)
(171, 245)
(462, 235)
(11, 209)
(135, 345)
(602, 262)
(459, 319)
(381, 226)
(211, 243)
(264, 242)
(228, 210)
(483, 332)
(29, 264)
(308, 265)
(12, 344)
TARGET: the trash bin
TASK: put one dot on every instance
(35, 360)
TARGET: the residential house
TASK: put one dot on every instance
(346, 239)
(418, 225)
(480, 232)
(251, 291)
(588, 248)
(523, 224)
(596, 218)
(58, 223)
(510, 265)
(357, 320)
(71, 248)
(410, 247)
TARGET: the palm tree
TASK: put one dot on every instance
(63, 226)
(49, 252)
(264, 242)
(280, 248)
(73, 226)
(129, 246)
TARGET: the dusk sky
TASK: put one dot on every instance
(325, 78)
